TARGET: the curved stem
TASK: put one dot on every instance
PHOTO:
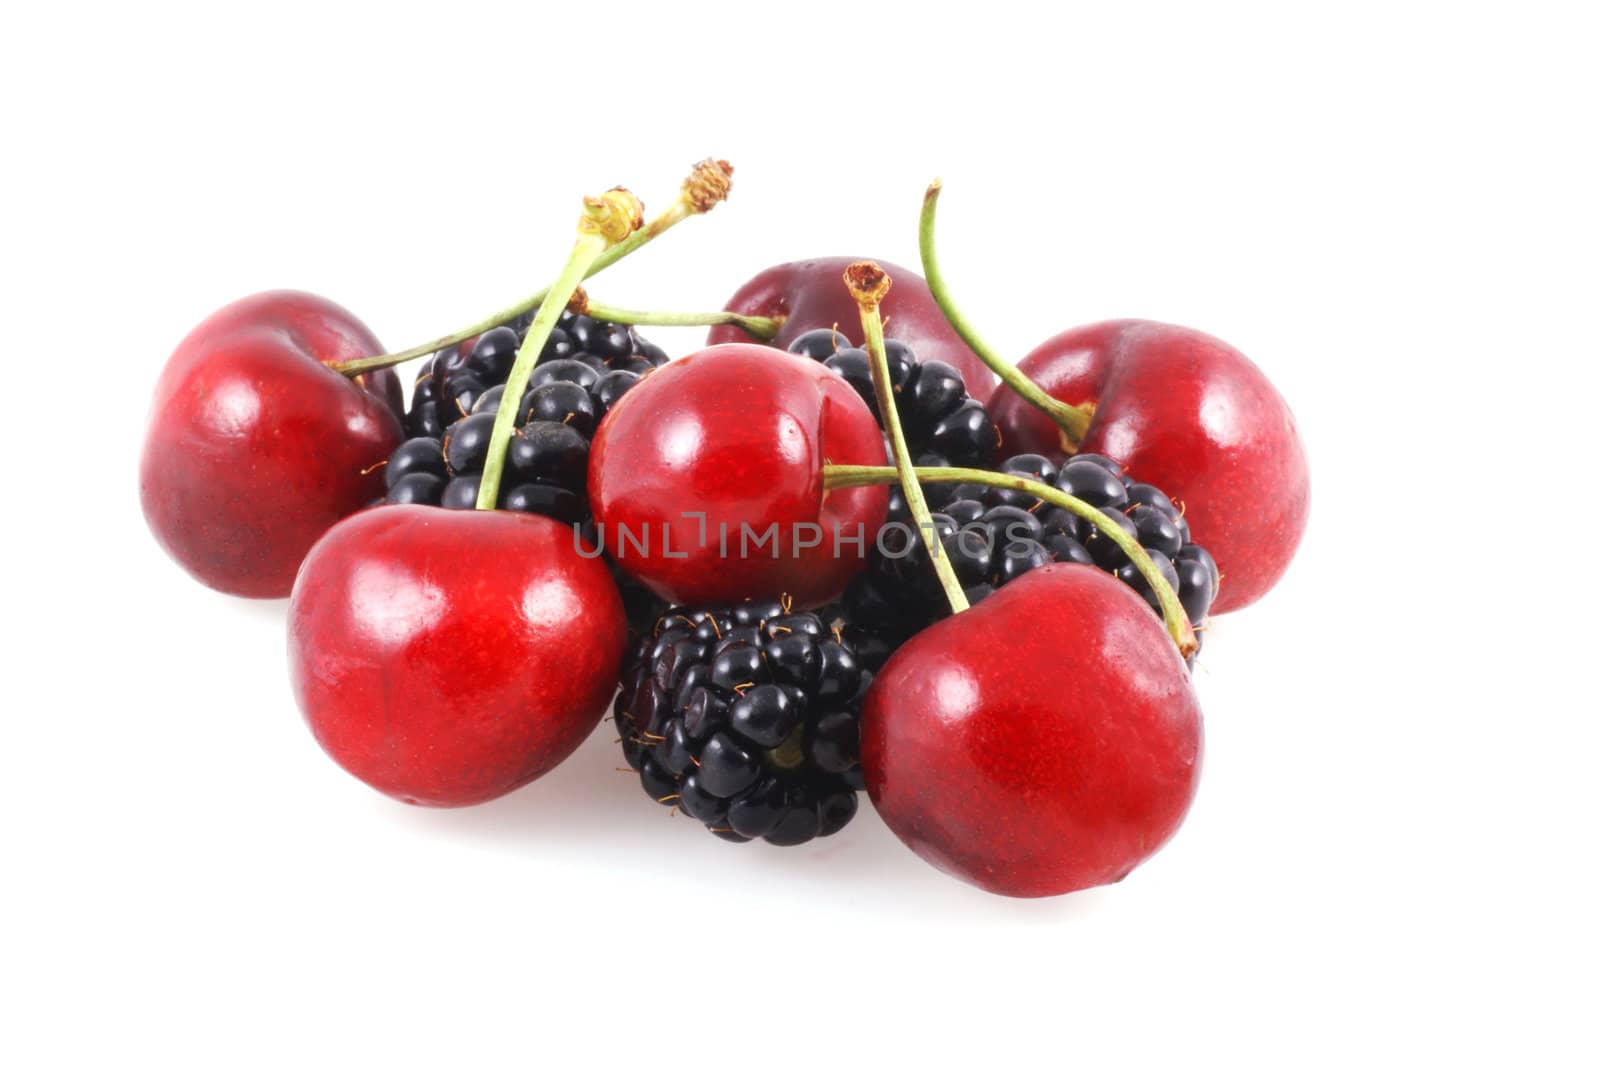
(1177, 622)
(868, 284)
(705, 187)
(1072, 420)
(764, 328)
(605, 224)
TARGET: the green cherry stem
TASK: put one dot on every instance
(1177, 622)
(868, 284)
(1072, 420)
(762, 328)
(606, 222)
(706, 186)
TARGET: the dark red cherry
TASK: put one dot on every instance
(255, 448)
(1191, 415)
(811, 295)
(706, 479)
(1046, 740)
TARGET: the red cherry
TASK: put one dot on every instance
(1192, 415)
(254, 448)
(739, 433)
(1045, 740)
(809, 295)
(446, 657)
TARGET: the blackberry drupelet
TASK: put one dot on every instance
(993, 535)
(748, 719)
(937, 414)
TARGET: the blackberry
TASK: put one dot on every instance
(749, 719)
(452, 382)
(993, 535)
(937, 414)
(584, 368)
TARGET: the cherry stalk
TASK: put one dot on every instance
(606, 222)
(1072, 420)
(868, 284)
(1177, 622)
(705, 187)
(761, 328)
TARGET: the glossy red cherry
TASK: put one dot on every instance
(1046, 740)
(446, 657)
(738, 433)
(809, 294)
(1192, 415)
(254, 448)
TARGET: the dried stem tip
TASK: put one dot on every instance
(868, 283)
(615, 214)
(578, 305)
(708, 184)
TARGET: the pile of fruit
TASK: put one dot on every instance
(804, 561)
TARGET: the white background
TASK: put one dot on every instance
(1392, 208)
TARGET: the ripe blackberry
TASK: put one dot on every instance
(993, 535)
(937, 414)
(585, 366)
(453, 381)
(748, 720)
